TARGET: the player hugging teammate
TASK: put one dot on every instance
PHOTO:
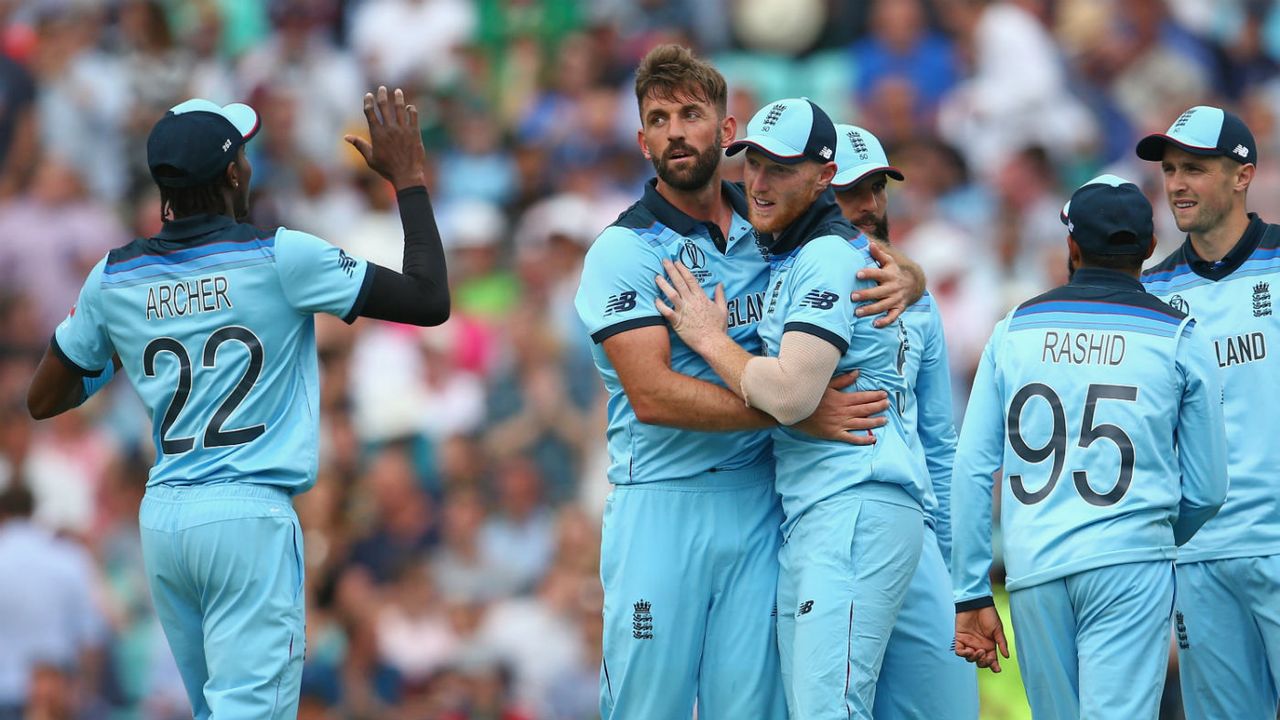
(1103, 406)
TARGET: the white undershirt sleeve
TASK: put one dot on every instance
(790, 386)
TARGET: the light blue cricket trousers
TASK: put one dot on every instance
(1228, 631)
(1095, 644)
(225, 566)
(921, 676)
(690, 571)
(845, 569)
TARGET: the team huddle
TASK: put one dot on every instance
(795, 528)
(795, 523)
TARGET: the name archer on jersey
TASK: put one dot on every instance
(187, 297)
(1240, 349)
(1083, 348)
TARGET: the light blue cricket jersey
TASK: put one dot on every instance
(927, 414)
(617, 293)
(1103, 408)
(1231, 302)
(809, 288)
(213, 324)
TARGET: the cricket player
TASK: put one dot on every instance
(854, 522)
(1228, 610)
(920, 646)
(211, 319)
(691, 530)
(1102, 406)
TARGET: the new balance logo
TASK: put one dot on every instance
(346, 263)
(1262, 299)
(1242, 151)
(226, 145)
(820, 300)
(825, 152)
(642, 621)
(622, 302)
(805, 608)
(775, 114)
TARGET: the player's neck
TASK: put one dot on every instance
(1218, 241)
(706, 204)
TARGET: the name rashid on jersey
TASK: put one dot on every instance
(1083, 348)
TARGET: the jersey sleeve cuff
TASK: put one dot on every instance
(975, 604)
(66, 360)
(818, 331)
(605, 333)
(362, 295)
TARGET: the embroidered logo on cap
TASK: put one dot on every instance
(775, 114)
(1242, 151)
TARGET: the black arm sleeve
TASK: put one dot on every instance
(419, 296)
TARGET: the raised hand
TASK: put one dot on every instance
(394, 149)
(693, 315)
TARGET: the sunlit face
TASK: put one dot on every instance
(1200, 189)
(866, 204)
(684, 138)
(777, 194)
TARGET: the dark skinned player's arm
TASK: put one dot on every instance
(58, 386)
(419, 295)
(662, 396)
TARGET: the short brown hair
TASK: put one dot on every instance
(669, 72)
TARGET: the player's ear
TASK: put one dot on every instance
(825, 176)
(1073, 251)
(644, 146)
(728, 130)
(1244, 177)
(233, 176)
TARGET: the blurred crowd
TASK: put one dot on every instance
(452, 537)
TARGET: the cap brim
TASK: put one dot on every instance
(853, 176)
(1065, 217)
(241, 116)
(774, 150)
(1151, 147)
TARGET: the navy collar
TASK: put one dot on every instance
(823, 217)
(1234, 258)
(676, 219)
(194, 226)
(1102, 277)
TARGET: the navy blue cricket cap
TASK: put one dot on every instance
(195, 141)
(790, 131)
(1109, 216)
(1203, 130)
